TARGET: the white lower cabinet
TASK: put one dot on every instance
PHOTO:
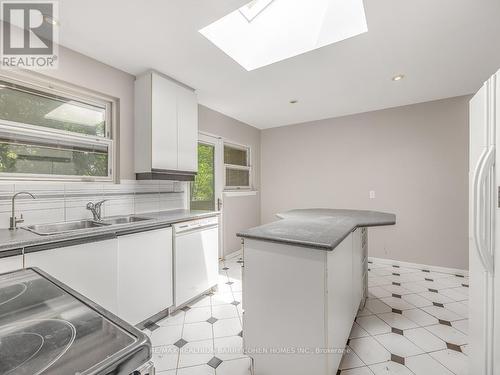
(91, 269)
(11, 263)
(300, 299)
(144, 274)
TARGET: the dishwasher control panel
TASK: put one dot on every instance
(195, 224)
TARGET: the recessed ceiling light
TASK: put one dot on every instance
(294, 101)
(264, 32)
(399, 77)
(50, 20)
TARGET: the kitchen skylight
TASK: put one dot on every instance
(267, 31)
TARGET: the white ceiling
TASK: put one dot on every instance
(445, 48)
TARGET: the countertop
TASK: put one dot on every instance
(317, 228)
(11, 240)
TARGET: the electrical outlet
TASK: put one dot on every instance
(372, 194)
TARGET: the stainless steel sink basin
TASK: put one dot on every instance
(68, 226)
(123, 220)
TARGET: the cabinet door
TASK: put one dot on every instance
(357, 270)
(163, 123)
(339, 297)
(145, 274)
(90, 269)
(11, 263)
(187, 123)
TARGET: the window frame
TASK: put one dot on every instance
(52, 87)
(248, 167)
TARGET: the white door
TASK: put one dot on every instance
(90, 269)
(187, 129)
(163, 123)
(481, 230)
(11, 263)
(206, 190)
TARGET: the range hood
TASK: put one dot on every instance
(162, 174)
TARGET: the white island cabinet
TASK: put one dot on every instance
(144, 274)
(300, 303)
(90, 268)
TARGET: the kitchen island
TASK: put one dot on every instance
(304, 279)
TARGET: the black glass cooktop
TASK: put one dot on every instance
(48, 329)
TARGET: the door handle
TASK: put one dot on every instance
(486, 161)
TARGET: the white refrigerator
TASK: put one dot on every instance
(484, 230)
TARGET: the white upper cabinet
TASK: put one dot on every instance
(187, 136)
(164, 134)
(166, 127)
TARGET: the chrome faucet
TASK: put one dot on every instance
(95, 208)
(13, 219)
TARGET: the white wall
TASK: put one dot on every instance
(239, 212)
(415, 158)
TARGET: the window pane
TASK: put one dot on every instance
(21, 156)
(235, 156)
(203, 187)
(237, 177)
(28, 106)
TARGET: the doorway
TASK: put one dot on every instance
(206, 189)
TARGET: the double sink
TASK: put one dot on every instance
(69, 226)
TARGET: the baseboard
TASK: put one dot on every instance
(451, 271)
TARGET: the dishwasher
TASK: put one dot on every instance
(196, 258)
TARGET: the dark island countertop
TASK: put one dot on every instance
(13, 241)
(317, 228)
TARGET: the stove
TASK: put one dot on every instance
(48, 328)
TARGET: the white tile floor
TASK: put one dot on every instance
(206, 338)
(414, 322)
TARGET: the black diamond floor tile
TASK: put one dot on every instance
(437, 304)
(235, 303)
(151, 326)
(214, 362)
(397, 359)
(212, 320)
(397, 331)
(397, 311)
(225, 268)
(433, 290)
(454, 347)
(180, 343)
(396, 295)
(444, 322)
(395, 283)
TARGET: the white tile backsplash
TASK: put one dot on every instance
(58, 201)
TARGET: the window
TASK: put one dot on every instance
(53, 133)
(203, 186)
(263, 32)
(237, 167)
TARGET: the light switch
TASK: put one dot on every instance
(372, 194)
